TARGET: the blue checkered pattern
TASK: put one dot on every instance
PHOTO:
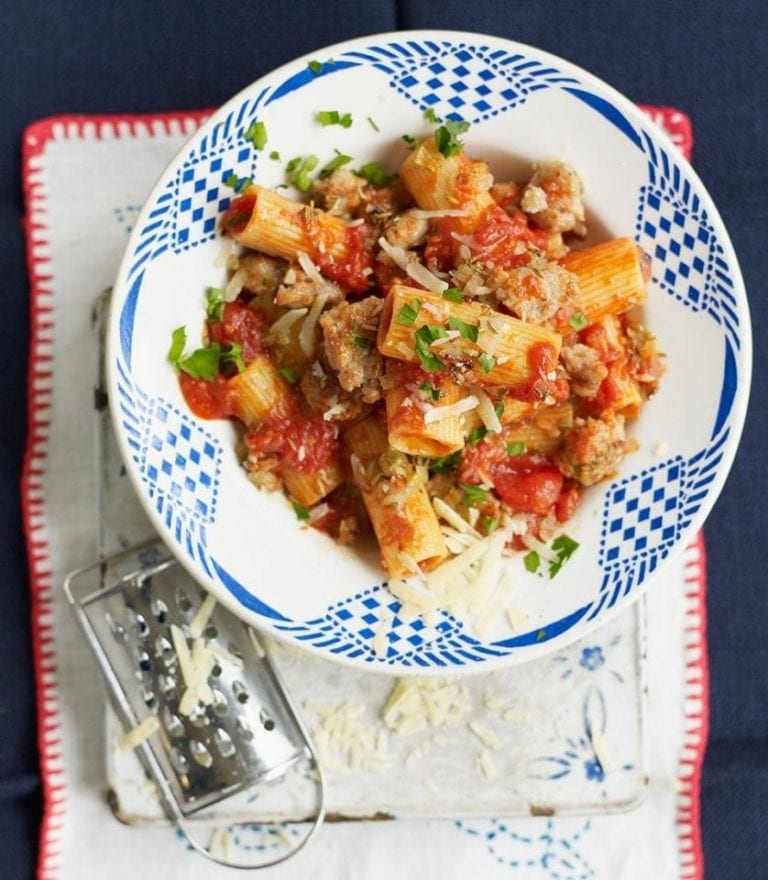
(181, 462)
(642, 512)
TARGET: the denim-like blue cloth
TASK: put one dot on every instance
(706, 58)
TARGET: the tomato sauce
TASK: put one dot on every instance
(528, 483)
(395, 529)
(353, 270)
(207, 400)
(241, 324)
(237, 215)
(542, 362)
(300, 436)
(498, 233)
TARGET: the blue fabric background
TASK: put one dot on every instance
(706, 58)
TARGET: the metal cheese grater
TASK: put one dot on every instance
(153, 629)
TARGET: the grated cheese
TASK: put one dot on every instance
(486, 412)
(200, 620)
(412, 267)
(437, 413)
(485, 735)
(235, 285)
(345, 742)
(486, 764)
(414, 704)
(282, 326)
(139, 734)
(445, 212)
(307, 332)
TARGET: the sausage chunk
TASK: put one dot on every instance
(349, 334)
(592, 449)
(553, 198)
(584, 368)
(534, 293)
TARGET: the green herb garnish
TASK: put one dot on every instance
(178, 343)
(238, 184)
(202, 363)
(289, 374)
(466, 331)
(298, 172)
(423, 338)
(215, 303)
(333, 117)
(477, 434)
(409, 139)
(446, 137)
(565, 548)
(302, 514)
(488, 524)
(408, 312)
(473, 494)
(578, 321)
(373, 124)
(233, 355)
(238, 219)
(337, 162)
(532, 561)
(487, 363)
(499, 409)
(256, 133)
(516, 448)
(541, 635)
(453, 294)
(374, 174)
(359, 340)
(429, 391)
(447, 464)
(275, 156)
(429, 115)
(315, 66)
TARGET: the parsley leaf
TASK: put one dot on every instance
(337, 162)
(256, 133)
(410, 140)
(516, 448)
(429, 115)
(499, 409)
(373, 124)
(487, 363)
(447, 464)
(408, 312)
(302, 514)
(360, 341)
(374, 174)
(289, 374)
(316, 67)
(565, 548)
(178, 342)
(333, 117)
(541, 635)
(453, 294)
(238, 184)
(446, 137)
(473, 494)
(424, 337)
(216, 303)
(477, 434)
(298, 171)
(202, 363)
(234, 355)
(488, 524)
(466, 331)
(578, 321)
(531, 561)
(429, 391)
(275, 156)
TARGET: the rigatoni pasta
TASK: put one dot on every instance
(425, 356)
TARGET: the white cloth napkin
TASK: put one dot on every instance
(85, 179)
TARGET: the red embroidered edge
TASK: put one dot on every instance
(39, 390)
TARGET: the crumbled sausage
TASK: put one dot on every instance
(592, 449)
(383, 202)
(298, 290)
(407, 230)
(349, 333)
(584, 368)
(323, 393)
(262, 274)
(553, 197)
(535, 292)
(340, 193)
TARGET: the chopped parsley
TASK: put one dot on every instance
(473, 494)
(275, 156)
(374, 174)
(302, 514)
(256, 133)
(238, 219)
(373, 124)
(338, 161)
(333, 117)
(477, 434)
(298, 172)
(487, 363)
(233, 355)
(466, 331)
(541, 635)
(453, 294)
(429, 115)
(516, 448)
(532, 561)
(499, 409)
(238, 184)
(447, 464)
(178, 343)
(578, 321)
(429, 391)
(316, 67)
(359, 340)
(408, 312)
(215, 304)
(203, 363)
(446, 137)
(565, 548)
(289, 374)
(410, 140)
(488, 524)
(423, 338)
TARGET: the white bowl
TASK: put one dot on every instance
(523, 105)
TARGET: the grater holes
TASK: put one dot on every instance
(240, 692)
(144, 662)
(172, 723)
(167, 683)
(267, 722)
(179, 761)
(211, 632)
(140, 625)
(116, 628)
(200, 753)
(244, 729)
(223, 742)
(220, 704)
(148, 696)
(183, 600)
(164, 650)
(216, 671)
(198, 717)
(236, 653)
(159, 610)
